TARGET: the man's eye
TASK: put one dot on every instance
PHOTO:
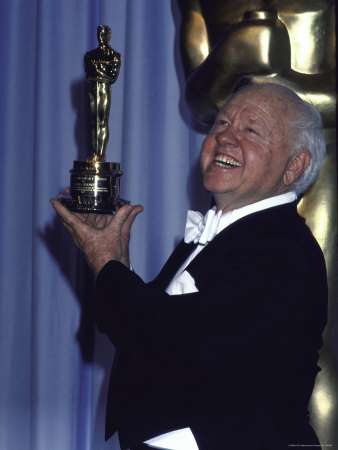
(222, 122)
(251, 130)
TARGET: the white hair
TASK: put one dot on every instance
(309, 135)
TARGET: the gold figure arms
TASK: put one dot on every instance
(103, 63)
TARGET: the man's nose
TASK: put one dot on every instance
(227, 137)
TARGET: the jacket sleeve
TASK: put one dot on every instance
(255, 299)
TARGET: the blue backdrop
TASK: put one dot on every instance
(54, 366)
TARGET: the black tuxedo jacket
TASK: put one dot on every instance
(236, 361)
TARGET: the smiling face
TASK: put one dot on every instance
(246, 156)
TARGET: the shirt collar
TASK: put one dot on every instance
(230, 217)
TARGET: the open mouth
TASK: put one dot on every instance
(226, 161)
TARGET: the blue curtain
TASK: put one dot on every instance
(54, 365)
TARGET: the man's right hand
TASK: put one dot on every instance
(101, 238)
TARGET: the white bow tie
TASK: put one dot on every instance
(201, 229)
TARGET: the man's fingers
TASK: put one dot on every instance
(102, 221)
(123, 219)
(117, 226)
(67, 192)
(91, 219)
(120, 217)
(125, 231)
(127, 214)
(69, 219)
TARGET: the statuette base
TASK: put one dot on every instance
(94, 188)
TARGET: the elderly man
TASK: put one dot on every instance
(225, 340)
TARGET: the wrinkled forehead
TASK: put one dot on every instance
(270, 105)
(271, 101)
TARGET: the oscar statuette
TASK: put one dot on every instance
(95, 183)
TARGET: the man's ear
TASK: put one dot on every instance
(297, 166)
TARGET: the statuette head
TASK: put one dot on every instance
(103, 35)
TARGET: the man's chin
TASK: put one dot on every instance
(217, 188)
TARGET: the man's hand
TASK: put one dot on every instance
(102, 238)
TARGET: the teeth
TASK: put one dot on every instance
(222, 160)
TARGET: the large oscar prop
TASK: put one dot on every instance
(291, 43)
(95, 183)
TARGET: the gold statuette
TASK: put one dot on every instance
(95, 183)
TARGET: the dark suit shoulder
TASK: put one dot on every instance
(275, 239)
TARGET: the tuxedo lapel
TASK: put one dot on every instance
(236, 235)
(175, 261)
(204, 264)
